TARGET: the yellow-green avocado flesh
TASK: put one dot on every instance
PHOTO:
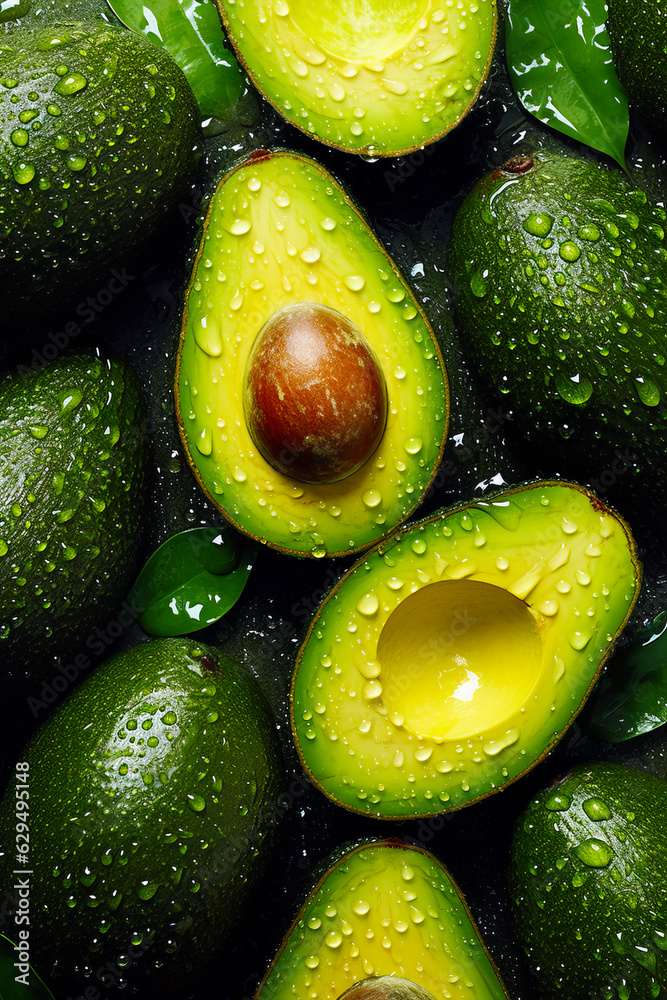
(279, 231)
(368, 76)
(451, 658)
(383, 908)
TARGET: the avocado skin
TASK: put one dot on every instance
(638, 36)
(72, 490)
(109, 147)
(565, 324)
(594, 931)
(165, 854)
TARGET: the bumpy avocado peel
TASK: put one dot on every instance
(451, 659)
(560, 275)
(73, 455)
(99, 131)
(154, 797)
(587, 875)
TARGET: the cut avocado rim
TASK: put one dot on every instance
(432, 726)
(399, 507)
(416, 861)
(338, 49)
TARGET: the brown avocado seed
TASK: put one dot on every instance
(386, 988)
(315, 398)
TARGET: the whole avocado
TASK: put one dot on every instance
(99, 131)
(587, 876)
(154, 793)
(560, 277)
(72, 490)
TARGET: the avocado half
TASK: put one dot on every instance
(383, 908)
(452, 658)
(281, 232)
(366, 76)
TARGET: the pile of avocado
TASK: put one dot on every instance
(407, 344)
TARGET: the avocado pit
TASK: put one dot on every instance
(315, 398)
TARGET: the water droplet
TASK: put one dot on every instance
(196, 802)
(23, 172)
(594, 853)
(368, 605)
(569, 251)
(478, 284)
(589, 232)
(538, 224)
(494, 747)
(333, 939)
(239, 227)
(355, 282)
(76, 163)
(19, 137)
(371, 498)
(557, 802)
(71, 83)
(596, 809)
(647, 390)
(413, 445)
(574, 389)
(310, 255)
(147, 890)
(361, 907)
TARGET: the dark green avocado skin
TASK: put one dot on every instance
(73, 450)
(559, 268)
(99, 133)
(154, 793)
(638, 35)
(587, 876)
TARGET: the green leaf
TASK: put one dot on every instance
(560, 64)
(192, 32)
(19, 982)
(192, 580)
(631, 698)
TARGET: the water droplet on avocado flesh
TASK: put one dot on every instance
(368, 77)
(588, 882)
(258, 459)
(172, 818)
(458, 682)
(571, 337)
(315, 397)
(399, 928)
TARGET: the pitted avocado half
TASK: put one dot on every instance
(381, 909)
(450, 659)
(281, 234)
(367, 77)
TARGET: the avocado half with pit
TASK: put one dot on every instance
(311, 392)
(384, 921)
(368, 77)
(452, 658)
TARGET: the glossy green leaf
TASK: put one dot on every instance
(192, 580)
(560, 64)
(631, 698)
(192, 32)
(19, 981)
